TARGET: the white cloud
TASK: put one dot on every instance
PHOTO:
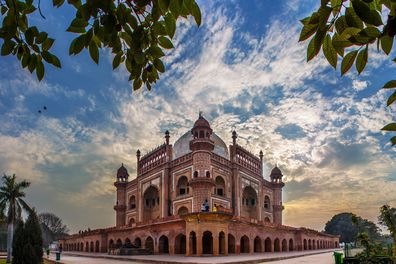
(359, 85)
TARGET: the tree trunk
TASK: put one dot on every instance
(10, 236)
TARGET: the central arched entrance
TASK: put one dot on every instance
(180, 244)
(151, 207)
(163, 245)
(207, 243)
(244, 244)
(231, 243)
(222, 243)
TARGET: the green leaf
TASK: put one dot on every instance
(175, 7)
(47, 56)
(77, 45)
(41, 37)
(170, 25)
(137, 83)
(386, 43)
(361, 60)
(341, 24)
(139, 57)
(32, 63)
(159, 65)
(390, 84)
(347, 61)
(55, 61)
(312, 51)
(7, 47)
(371, 32)
(164, 5)
(94, 51)
(165, 42)
(156, 52)
(393, 140)
(389, 127)
(307, 31)
(329, 51)
(47, 44)
(391, 99)
(58, 3)
(196, 12)
(78, 25)
(117, 60)
(352, 18)
(366, 14)
(40, 70)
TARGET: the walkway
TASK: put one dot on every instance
(312, 256)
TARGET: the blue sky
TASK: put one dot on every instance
(245, 69)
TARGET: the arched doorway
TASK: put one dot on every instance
(192, 240)
(305, 244)
(180, 244)
(249, 203)
(207, 243)
(128, 243)
(222, 243)
(137, 243)
(149, 244)
(276, 245)
(244, 244)
(335, 245)
(182, 211)
(257, 244)
(291, 245)
(163, 246)
(309, 244)
(111, 245)
(92, 248)
(118, 243)
(268, 245)
(97, 246)
(231, 243)
(313, 244)
(151, 207)
(284, 245)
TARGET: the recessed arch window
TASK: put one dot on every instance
(208, 174)
(195, 174)
(220, 186)
(132, 202)
(267, 203)
(182, 186)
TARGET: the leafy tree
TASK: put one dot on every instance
(52, 227)
(28, 243)
(345, 29)
(348, 225)
(388, 218)
(11, 205)
(136, 32)
(33, 237)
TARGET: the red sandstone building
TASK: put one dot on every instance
(199, 197)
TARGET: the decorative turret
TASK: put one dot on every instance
(167, 137)
(234, 137)
(276, 175)
(120, 184)
(122, 174)
(276, 180)
(201, 146)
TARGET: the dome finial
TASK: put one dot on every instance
(200, 113)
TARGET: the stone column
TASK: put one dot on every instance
(251, 245)
(215, 245)
(188, 244)
(199, 244)
(226, 245)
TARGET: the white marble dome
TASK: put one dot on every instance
(182, 145)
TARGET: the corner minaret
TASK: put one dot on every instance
(276, 180)
(120, 184)
(201, 146)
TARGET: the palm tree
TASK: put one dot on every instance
(11, 205)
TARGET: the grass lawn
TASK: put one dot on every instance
(3, 261)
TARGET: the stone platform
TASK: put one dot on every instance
(88, 258)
